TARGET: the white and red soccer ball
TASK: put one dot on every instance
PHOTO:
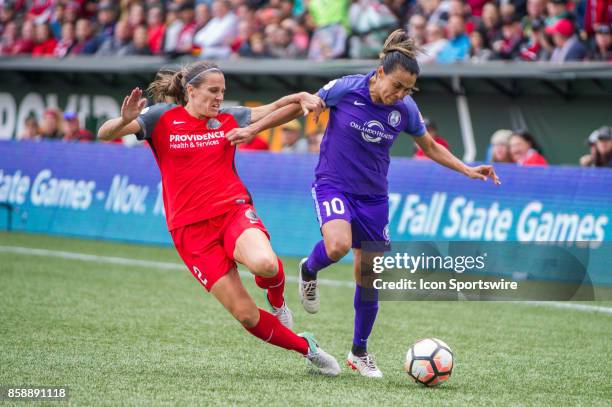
(429, 362)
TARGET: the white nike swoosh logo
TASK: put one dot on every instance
(175, 122)
(358, 103)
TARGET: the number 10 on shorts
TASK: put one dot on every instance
(334, 206)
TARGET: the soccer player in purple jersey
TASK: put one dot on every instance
(350, 192)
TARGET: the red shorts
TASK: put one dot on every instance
(207, 247)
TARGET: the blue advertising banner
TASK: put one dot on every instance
(112, 192)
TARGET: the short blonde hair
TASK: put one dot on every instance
(501, 136)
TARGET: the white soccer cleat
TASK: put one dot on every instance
(283, 314)
(309, 292)
(365, 365)
(326, 363)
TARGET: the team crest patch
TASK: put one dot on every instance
(251, 215)
(394, 118)
(213, 124)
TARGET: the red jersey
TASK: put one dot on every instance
(196, 161)
(44, 49)
(533, 158)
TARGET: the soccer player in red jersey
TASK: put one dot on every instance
(209, 211)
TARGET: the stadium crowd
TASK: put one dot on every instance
(448, 30)
(521, 147)
(506, 146)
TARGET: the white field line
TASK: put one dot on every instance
(93, 258)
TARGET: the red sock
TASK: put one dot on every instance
(269, 329)
(275, 286)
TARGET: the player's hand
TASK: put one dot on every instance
(132, 105)
(483, 172)
(240, 135)
(310, 103)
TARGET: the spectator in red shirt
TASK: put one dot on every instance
(432, 128)
(524, 150)
(73, 130)
(155, 28)
(25, 42)
(45, 43)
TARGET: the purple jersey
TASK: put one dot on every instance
(355, 149)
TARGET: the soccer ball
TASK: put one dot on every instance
(429, 362)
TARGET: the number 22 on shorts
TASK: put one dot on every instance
(199, 275)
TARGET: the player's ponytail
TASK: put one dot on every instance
(170, 85)
(167, 87)
(400, 50)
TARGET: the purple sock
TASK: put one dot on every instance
(366, 308)
(317, 260)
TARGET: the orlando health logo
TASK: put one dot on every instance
(372, 131)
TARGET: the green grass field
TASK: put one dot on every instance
(136, 335)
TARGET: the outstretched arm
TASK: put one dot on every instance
(307, 102)
(126, 123)
(444, 157)
(275, 118)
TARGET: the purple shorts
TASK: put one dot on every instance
(367, 214)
